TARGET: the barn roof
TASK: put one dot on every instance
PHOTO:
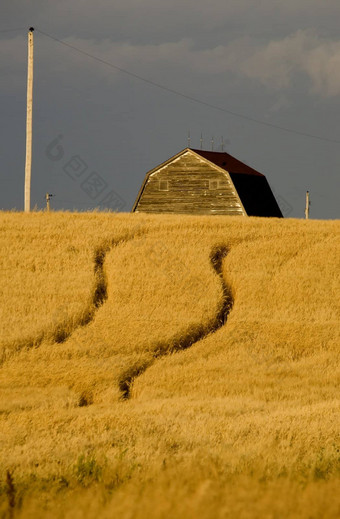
(227, 162)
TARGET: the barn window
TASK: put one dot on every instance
(213, 184)
(217, 184)
(163, 185)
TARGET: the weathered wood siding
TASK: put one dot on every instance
(190, 185)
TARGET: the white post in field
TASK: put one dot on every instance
(28, 162)
(307, 206)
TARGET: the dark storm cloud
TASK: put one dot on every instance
(155, 21)
(265, 40)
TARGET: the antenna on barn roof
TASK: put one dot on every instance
(222, 144)
(201, 141)
(212, 143)
(189, 139)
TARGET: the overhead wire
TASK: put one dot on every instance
(189, 97)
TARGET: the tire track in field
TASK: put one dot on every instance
(192, 336)
(64, 329)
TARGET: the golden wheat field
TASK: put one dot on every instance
(169, 367)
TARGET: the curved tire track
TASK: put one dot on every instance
(98, 297)
(64, 329)
(193, 334)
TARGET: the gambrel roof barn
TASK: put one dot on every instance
(206, 182)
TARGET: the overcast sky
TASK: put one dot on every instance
(98, 130)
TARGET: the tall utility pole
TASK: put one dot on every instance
(307, 206)
(28, 162)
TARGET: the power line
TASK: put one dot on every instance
(185, 96)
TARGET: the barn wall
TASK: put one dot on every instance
(256, 195)
(188, 185)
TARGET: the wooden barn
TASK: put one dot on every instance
(206, 182)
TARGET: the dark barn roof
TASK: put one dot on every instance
(249, 193)
(227, 162)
